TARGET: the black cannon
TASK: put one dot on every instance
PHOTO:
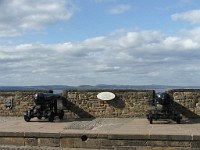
(45, 106)
(163, 108)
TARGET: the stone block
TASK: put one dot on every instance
(79, 143)
(67, 142)
(156, 143)
(31, 142)
(122, 143)
(128, 137)
(42, 135)
(12, 141)
(171, 137)
(188, 148)
(166, 148)
(89, 143)
(178, 143)
(195, 144)
(52, 142)
(134, 142)
(11, 134)
(125, 148)
(143, 148)
(107, 142)
(196, 137)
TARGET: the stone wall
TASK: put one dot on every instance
(85, 104)
(21, 101)
(187, 101)
(127, 103)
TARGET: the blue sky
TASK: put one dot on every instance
(75, 42)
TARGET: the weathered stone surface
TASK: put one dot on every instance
(171, 137)
(53, 142)
(143, 148)
(39, 134)
(21, 100)
(11, 141)
(31, 142)
(195, 144)
(128, 103)
(124, 148)
(187, 101)
(12, 134)
(80, 143)
(178, 143)
(166, 148)
(128, 137)
(156, 143)
(67, 142)
(85, 104)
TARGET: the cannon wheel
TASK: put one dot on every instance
(39, 117)
(27, 116)
(150, 118)
(61, 114)
(178, 120)
(50, 116)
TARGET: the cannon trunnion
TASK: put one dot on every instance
(162, 107)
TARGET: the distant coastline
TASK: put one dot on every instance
(157, 88)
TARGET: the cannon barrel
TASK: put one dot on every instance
(163, 99)
(43, 98)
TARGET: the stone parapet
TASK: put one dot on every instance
(187, 101)
(127, 103)
(21, 101)
(85, 104)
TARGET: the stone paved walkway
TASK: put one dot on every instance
(113, 128)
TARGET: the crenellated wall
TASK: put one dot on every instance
(85, 104)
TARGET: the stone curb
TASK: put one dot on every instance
(110, 136)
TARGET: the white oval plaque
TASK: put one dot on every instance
(106, 96)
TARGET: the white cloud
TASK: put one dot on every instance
(192, 16)
(131, 57)
(24, 14)
(123, 57)
(119, 9)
